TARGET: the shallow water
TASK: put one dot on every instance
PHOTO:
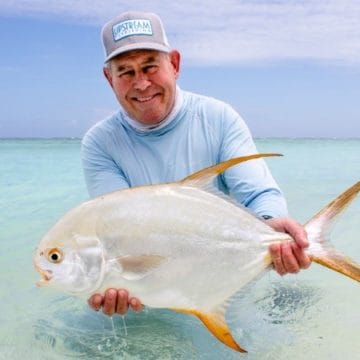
(312, 315)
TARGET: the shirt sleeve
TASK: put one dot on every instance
(101, 173)
(251, 183)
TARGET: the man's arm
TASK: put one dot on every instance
(253, 186)
(251, 183)
(101, 173)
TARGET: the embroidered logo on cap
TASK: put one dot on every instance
(131, 27)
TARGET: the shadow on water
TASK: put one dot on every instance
(267, 316)
(261, 319)
(152, 334)
(286, 303)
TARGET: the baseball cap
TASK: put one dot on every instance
(133, 30)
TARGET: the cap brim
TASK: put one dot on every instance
(137, 46)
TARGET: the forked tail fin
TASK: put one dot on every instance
(320, 250)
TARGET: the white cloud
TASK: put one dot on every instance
(229, 31)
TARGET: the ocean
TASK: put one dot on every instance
(312, 315)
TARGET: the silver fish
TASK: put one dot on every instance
(183, 246)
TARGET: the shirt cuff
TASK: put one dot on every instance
(267, 217)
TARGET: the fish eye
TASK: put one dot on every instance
(55, 255)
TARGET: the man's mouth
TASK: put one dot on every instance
(144, 99)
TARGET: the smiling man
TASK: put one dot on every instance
(162, 134)
(144, 83)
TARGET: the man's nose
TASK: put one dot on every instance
(142, 82)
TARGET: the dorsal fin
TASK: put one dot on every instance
(203, 177)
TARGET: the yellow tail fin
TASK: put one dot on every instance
(320, 249)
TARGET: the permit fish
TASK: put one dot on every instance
(184, 246)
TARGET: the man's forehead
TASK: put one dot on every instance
(139, 56)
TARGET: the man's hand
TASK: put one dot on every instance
(114, 301)
(289, 257)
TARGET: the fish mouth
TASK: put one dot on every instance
(46, 275)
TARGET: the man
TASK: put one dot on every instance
(162, 134)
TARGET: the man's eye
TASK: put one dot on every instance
(127, 74)
(151, 69)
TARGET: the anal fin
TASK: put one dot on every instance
(215, 323)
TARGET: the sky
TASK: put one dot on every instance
(290, 68)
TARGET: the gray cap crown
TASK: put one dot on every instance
(133, 30)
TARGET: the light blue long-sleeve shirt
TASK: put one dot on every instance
(204, 132)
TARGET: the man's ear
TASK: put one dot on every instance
(175, 61)
(108, 75)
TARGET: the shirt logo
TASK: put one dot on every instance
(131, 27)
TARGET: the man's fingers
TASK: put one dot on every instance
(288, 257)
(293, 228)
(301, 257)
(114, 301)
(109, 304)
(122, 302)
(136, 304)
(275, 252)
(297, 232)
(95, 302)
(289, 260)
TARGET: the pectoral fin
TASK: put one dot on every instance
(135, 267)
(215, 323)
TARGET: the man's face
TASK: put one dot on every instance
(144, 82)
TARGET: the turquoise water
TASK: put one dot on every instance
(312, 315)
